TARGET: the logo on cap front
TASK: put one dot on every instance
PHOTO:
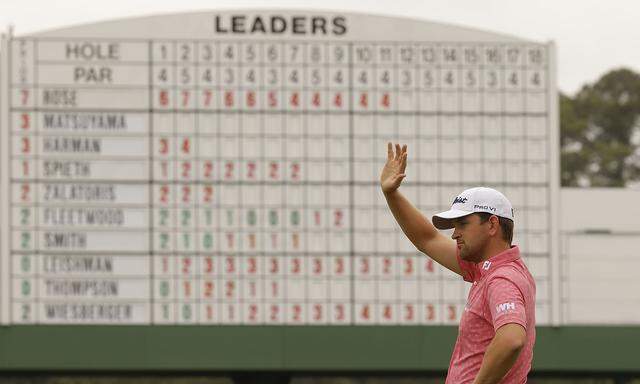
(460, 200)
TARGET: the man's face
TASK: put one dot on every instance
(471, 237)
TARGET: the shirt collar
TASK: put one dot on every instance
(504, 257)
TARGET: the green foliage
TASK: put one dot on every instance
(599, 131)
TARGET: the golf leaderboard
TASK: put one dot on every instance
(223, 167)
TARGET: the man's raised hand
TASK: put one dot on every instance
(393, 171)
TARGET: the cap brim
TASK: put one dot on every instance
(444, 220)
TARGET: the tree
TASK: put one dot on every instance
(599, 132)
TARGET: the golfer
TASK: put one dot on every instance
(497, 329)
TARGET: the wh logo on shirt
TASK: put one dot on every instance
(505, 307)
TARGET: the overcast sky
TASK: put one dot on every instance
(592, 36)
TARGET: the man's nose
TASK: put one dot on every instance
(455, 234)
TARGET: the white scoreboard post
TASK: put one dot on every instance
(222, 168)
(4, 180)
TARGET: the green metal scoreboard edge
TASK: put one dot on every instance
(286, 348)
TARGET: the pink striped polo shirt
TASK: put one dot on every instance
(503, 292)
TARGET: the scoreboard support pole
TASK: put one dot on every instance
(5, 149)
(554, 217)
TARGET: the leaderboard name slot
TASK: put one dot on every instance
(80, 174)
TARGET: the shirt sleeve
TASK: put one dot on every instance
(506, 303)
(469, 270)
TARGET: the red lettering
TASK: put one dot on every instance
(186, 145)
(364, 100)
(251, 99)
(186, 265)
(251, 170)
(228, 99)
(387, 312)
(25, 96)
(207, 97)
(339, 312)
(364, 313)
(337, 100)
(364, 265)
(25, 121)
(208, 194)
(164, 194)
(294, 101)
(208, 169)
(164, 98)
(273, 100)
(408, 312)
(185, 98)
(25, 192)
(208, 262)
(408, 266)
(164, 146)
(229, 170)
(452, 312)
(295, 171)
(208, 289)
(385, 102)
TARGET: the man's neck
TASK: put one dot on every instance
(494, 248)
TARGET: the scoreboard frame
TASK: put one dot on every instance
(292, 348)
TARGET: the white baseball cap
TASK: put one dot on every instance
(479, 199)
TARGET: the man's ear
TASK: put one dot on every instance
(495, 225)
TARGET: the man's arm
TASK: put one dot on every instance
(502, 353)
(417, 227)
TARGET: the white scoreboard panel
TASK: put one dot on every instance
(222, 168)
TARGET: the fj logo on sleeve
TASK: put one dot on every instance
(486, 265)
(505, 307)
